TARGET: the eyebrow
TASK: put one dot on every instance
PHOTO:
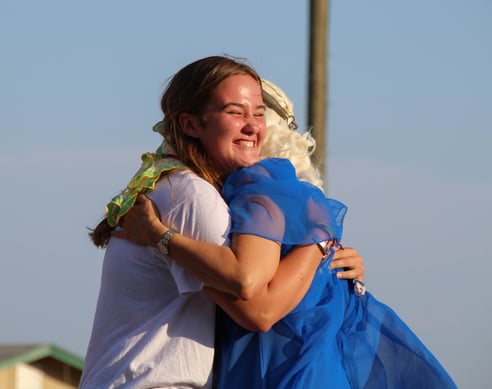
(261, 106)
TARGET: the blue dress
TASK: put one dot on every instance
(333, 338)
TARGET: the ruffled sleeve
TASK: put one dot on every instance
(268, 200)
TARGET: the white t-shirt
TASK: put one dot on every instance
(154, 326)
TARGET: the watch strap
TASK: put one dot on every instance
(163, 244)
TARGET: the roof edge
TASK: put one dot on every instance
(40, 351)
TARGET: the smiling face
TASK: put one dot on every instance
(232, 124)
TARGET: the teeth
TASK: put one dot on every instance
(246, 143)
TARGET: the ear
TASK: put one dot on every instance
(189, 124)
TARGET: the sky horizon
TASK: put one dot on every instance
(409, 133)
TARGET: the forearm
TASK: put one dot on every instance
(242, 270)
(284, 292)
(216, 266)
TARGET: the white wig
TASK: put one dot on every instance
(282, 140)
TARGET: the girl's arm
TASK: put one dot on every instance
(245, 267)
(241, 275)
(268, 302)
(142, 225)
(282, 294)
(277, 298)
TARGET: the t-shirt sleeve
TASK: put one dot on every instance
(196, 209)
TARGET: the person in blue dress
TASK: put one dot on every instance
(154, 324)
(333, 338)
(337, 335)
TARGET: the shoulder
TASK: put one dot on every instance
(184, 184)
(192, 206)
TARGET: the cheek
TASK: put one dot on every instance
(262, 134)
(216, 146)
(218, 136)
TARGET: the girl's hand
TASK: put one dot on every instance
(141, 225)
(349, 260)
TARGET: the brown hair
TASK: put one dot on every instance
(189, 91)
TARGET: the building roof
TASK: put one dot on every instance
(11, 354)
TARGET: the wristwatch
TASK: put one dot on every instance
(163, 244)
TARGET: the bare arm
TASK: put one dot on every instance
(287, 288)
(143, 226)
(241, 270)
(245, 268)
(269, 302)
(289, 285)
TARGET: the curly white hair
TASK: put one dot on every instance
(282, 140)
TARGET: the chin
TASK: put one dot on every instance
(254, 159)
(245, 163)
(250, 162)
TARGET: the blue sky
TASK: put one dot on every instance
(409, 133)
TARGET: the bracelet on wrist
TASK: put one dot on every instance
(163, 244)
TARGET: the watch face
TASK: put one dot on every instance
(162, 248)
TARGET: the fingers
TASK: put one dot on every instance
(347, 262)
(148, 208)
(143, 200)
(141, 223)
(350, 275)
(126, 219)
(351, 263)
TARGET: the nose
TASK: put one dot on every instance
(253, 124)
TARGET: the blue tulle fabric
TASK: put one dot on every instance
(267, 197)
(333, 338)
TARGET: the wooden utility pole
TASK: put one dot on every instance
(318, 80)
